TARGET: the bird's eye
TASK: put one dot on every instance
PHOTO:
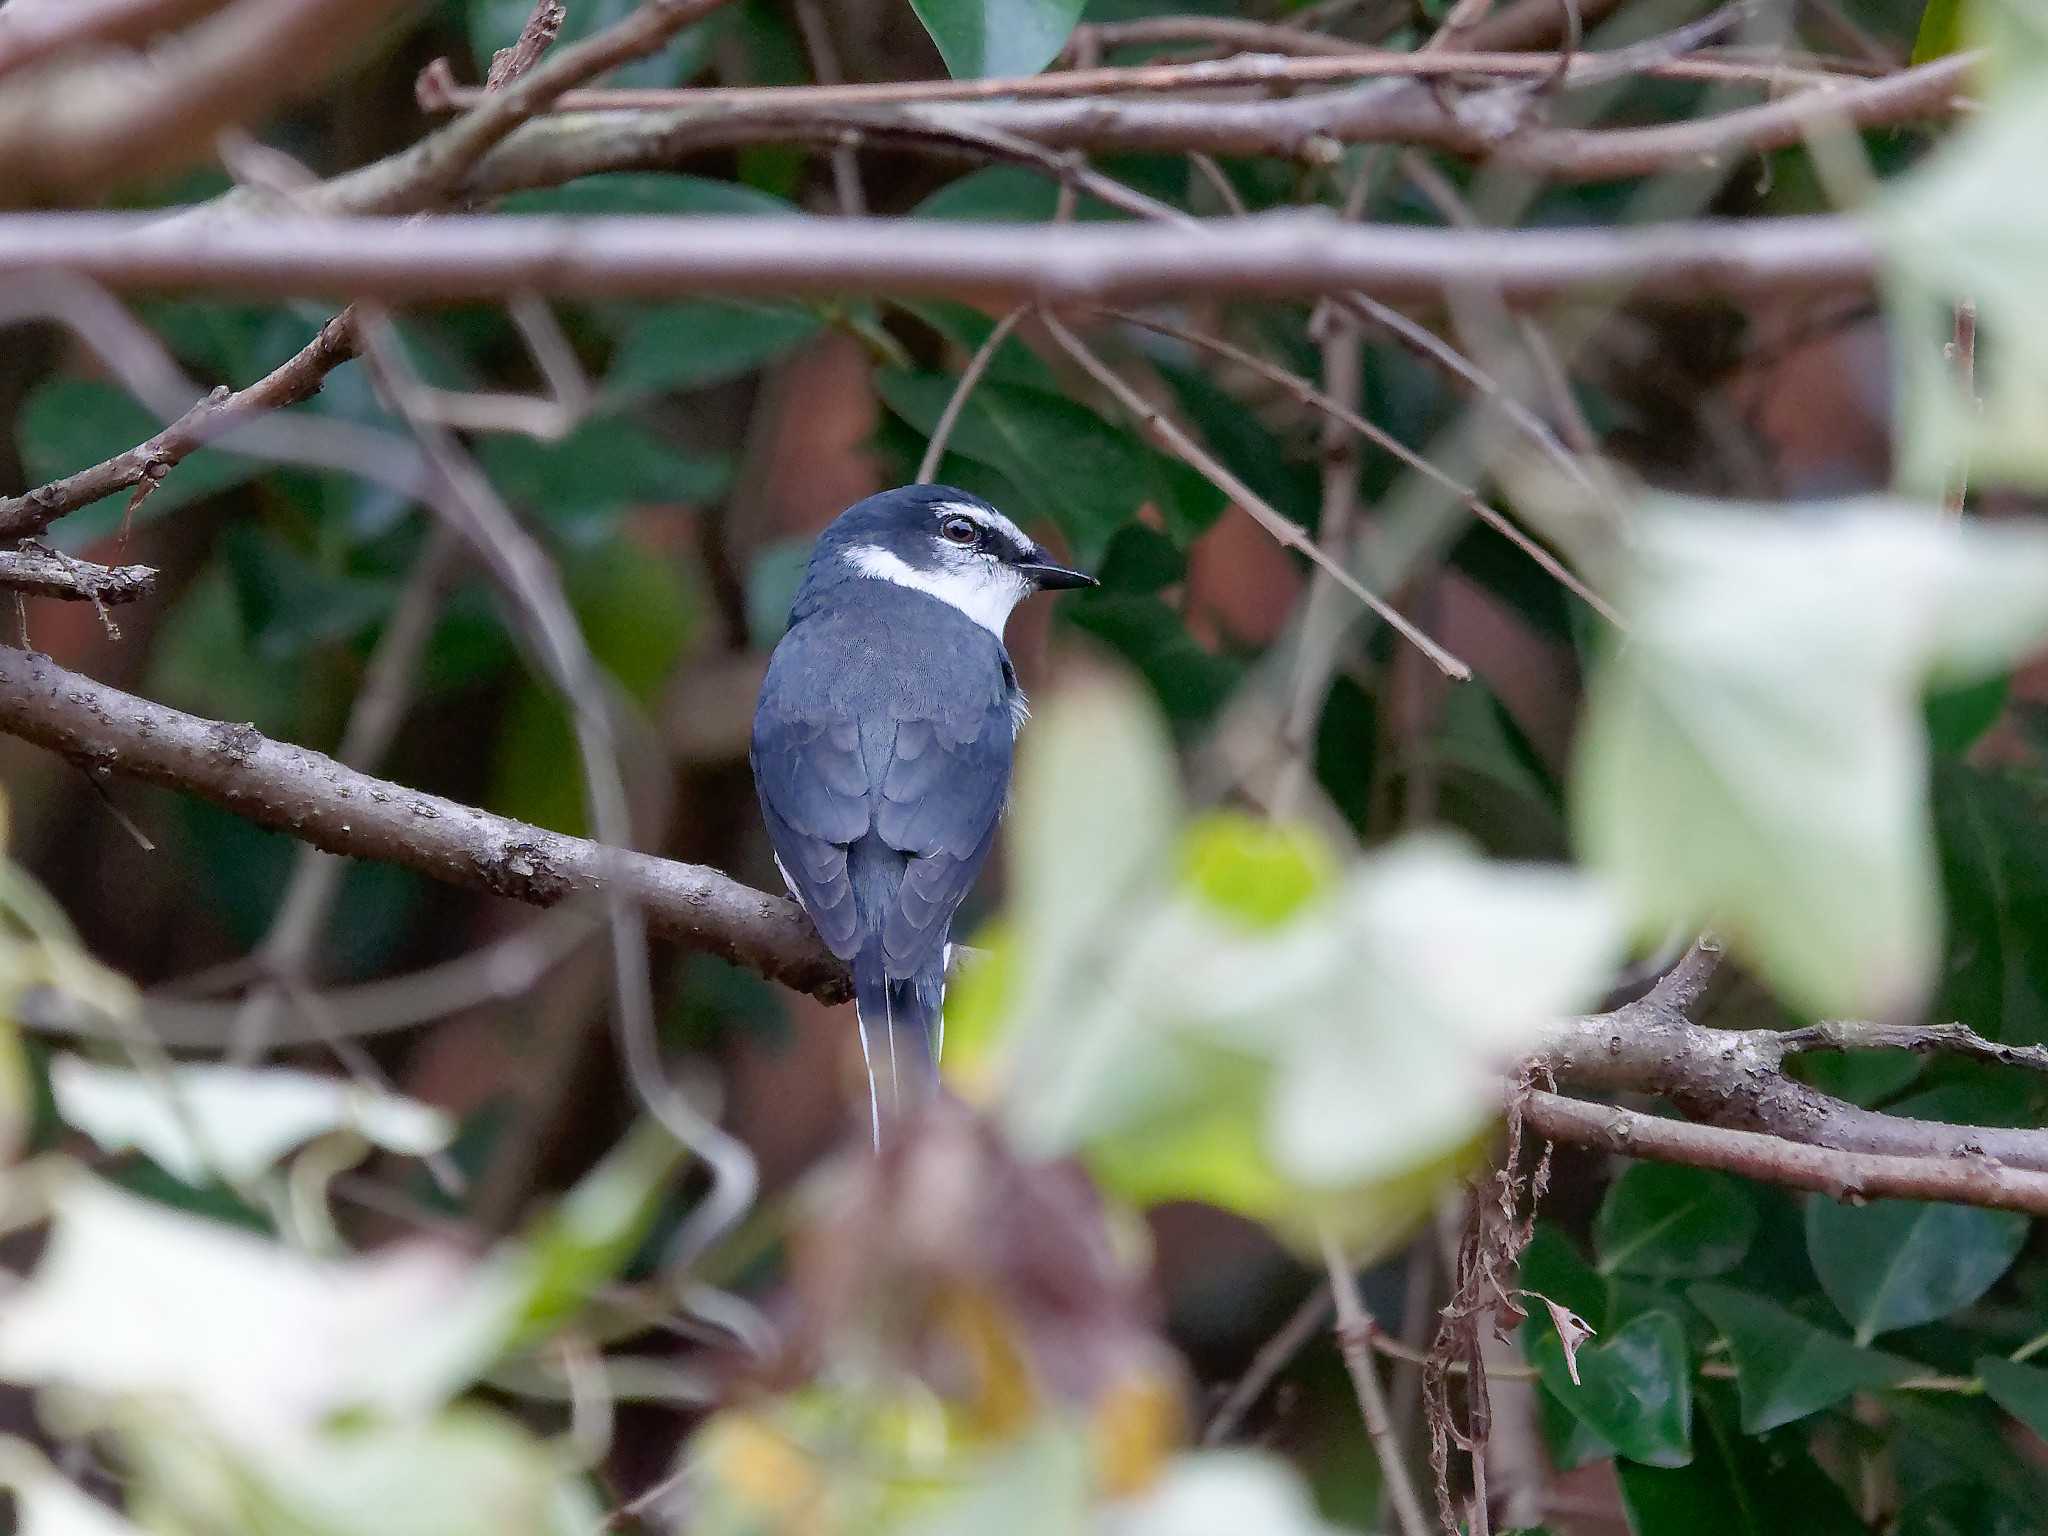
(959, 530)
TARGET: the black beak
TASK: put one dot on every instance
(1057, 578)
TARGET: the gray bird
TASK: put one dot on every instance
(883, 737)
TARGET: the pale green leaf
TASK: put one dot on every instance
(1754, 757)
(238, 1122)
(1955, 230)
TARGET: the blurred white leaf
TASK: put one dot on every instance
(1391, 1013)
(1097, 805)
(466, 1472)
(234, 1121)
(1223, 1018)
(46, 1503)
(1962, 226)
(1222, 1493)
(1754, 757)
(260, 1344)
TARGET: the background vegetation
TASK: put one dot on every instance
(1516, 994)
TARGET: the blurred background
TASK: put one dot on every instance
(697, 448)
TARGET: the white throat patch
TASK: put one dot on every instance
(983, 589)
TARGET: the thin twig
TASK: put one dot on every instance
(287, 951)
(1355, 1334)
(1290, 533)
(1962, 357)
(817, 36)
(1273, 1357)
(977, 365)
(1251, 69)
(1308, 395)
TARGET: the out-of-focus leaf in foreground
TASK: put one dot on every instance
(237, 1375)
(1754, 756)
(1217, 1013)
(195, 1120)
(40, 956)
(989, 1362)
(1953, 232)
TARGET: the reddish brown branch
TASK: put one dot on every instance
(295, 380)
(1856, 1176)
(1343, 65)
(313, 797)
(35, 29)
(1287, 255)
(1489, 126)
(73, 131)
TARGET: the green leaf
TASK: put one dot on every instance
(586, 1239)
(1736, 1486)
(979, 38)
(1082, 475)
(1291, 481)
(1006, 194)
(2021, 1390)
(1668, 1221)
(1635, 1388)
(1994, 856)
(689, 346)
(605, 466)
(495, 24)
(71, 424)
(197, 1120)
(1940, 32)
(637, 616)
(1189, 681)
(644, 192)
(1896, 1263)
(288, 603)
(1141, 560)
(1785, 1367)
(1753, 758)
(1957, 717)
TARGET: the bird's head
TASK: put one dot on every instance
(936, 540)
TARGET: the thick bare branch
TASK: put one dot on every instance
(1283, 255)
(35, 29)
(75, 130)
(1845, 1175)
(1735, 1078)
(312, 797)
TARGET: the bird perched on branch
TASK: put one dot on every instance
(882, 744)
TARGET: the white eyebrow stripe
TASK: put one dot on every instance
(988, 517)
